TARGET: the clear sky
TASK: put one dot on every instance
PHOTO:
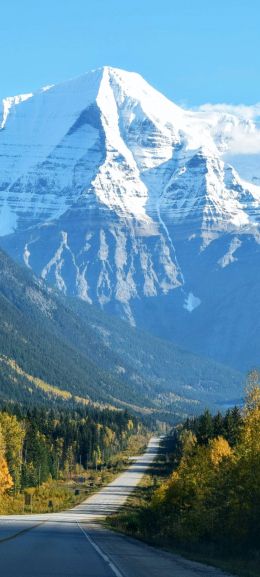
(194, 51)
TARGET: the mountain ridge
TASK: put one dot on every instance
(110, 192)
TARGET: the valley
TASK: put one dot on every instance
(62, 350)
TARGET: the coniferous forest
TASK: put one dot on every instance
(38, 445)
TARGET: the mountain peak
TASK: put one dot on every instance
(113, 193)
(138, 152)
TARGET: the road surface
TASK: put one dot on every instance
(73, 544)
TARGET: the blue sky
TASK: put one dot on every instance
(194, 51)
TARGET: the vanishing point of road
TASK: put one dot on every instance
(74, 543)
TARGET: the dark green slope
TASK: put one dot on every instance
(167, 367)
(30, 335)
(73, 346)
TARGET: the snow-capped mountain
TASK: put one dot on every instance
(113, 193)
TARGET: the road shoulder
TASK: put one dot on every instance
(133, 557)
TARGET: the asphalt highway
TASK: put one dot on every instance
(74, 544)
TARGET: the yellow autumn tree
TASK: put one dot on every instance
(188, 442)
(109, 437)
(13, 432)
(188, 497)
(219, 449)
(5, 477)
(250, 437)
(245, 499)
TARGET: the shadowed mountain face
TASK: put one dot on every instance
(114, 194)
(53, 348)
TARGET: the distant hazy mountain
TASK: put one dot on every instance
(55, 348)
(113, 193)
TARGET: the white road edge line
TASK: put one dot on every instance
(105, 557)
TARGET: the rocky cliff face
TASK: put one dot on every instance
(113, 193)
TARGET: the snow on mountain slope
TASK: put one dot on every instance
(113, 193)
(107, 124)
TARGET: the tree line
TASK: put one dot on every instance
(37, 444)
(209, 505)
(213, 495)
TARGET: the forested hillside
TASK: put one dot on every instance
(48, 342)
